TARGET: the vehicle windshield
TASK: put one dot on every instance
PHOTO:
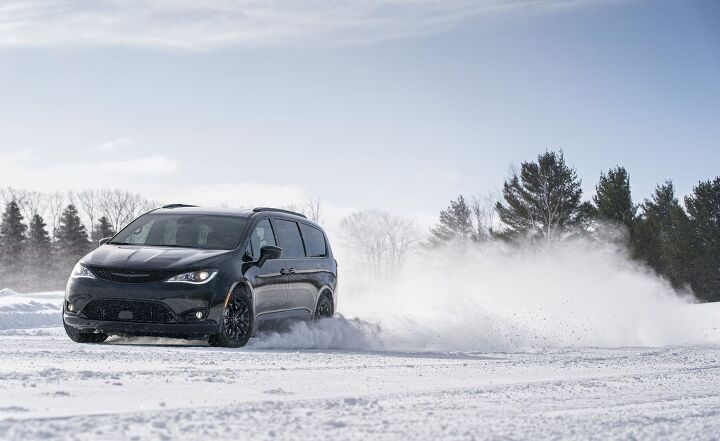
(183, 230)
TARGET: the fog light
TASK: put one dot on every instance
(71, 307)
(198, 315)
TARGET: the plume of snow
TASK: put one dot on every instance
(508, 298)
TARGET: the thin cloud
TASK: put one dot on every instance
(151, 165)
(116, 144)
(19, 168)
(203, 24)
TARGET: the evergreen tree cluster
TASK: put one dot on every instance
(679, 240)
(42, 235)
(31, 260)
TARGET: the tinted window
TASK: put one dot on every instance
(184, 230)
(314, 241)
(262, 235)
(288, 237)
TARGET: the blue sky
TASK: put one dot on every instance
(402, 105)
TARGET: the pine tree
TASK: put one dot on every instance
(103, 228)
(455, 223)
(72, 239)
(544, 201)
(613, 199)
(12, 245)
(39, 256)
(663, 237)
(703, 207)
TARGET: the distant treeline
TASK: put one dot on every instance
(543, 203)
(36, 256)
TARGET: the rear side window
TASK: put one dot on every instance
(289, 239)
(314, 241)
(261, 235)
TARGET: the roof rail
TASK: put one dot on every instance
(279, 210)
(178, 206)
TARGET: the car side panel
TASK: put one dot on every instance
(270, 287)
(304, 285)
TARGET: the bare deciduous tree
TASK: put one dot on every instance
(483, 211)
(14, 194)
(402, 235)
(55, 203)
(122, 206)
(146, 205)
(88, 201)
(382, 239)
(116, 205)
(312, 209)
(4, 197)
(34, 203)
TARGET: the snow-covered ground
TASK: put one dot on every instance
(54, 389)
(51, 388)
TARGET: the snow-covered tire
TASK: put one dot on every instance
(237, 323)
(324, 308)
(84, 337)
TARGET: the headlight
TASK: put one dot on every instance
(197, 277)
(81, 271)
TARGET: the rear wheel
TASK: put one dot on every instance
(237, 323)
(324, 307)
(84, 337)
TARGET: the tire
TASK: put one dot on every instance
(324, 307)
(237, 323)
(84, 337)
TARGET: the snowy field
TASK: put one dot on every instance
(51, 388)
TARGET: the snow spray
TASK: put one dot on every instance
(501, 297)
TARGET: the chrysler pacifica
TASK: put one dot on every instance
(191, 272)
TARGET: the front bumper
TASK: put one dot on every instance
(179, 302)
(177, 330)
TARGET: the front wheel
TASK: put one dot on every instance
(237, 324)
(84, 337)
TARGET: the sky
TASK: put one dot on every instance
(392, 104)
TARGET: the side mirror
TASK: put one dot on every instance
(269, 252)
(103, 241)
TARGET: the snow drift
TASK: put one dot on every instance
(18, 311)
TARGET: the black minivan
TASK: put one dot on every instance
(190, 272)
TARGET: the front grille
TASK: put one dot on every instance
(131, 276)
(127, 311)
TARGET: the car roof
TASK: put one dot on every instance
(233, 212)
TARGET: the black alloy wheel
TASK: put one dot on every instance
(324, 308)
(237, 324)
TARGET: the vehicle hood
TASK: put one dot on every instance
(152, 258)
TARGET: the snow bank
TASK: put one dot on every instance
(19, 311)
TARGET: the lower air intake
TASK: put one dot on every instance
(127, 311)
